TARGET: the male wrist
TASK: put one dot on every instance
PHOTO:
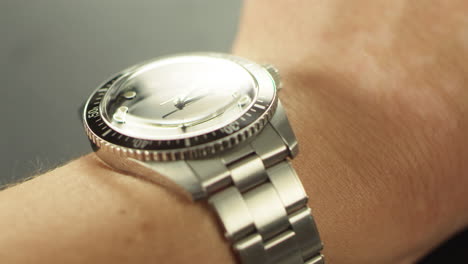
(85, 212)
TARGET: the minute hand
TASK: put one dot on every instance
(193, 99)
(182, 105)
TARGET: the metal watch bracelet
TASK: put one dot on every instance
(264, 211)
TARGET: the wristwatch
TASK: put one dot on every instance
(209, 126)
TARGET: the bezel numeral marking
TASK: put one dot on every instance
(140, 143)
(93, 112)
(231, 128)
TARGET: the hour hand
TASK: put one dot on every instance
(182, 104)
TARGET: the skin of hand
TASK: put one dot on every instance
(375, 91)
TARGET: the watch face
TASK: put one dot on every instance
(179, 97)
(181, 106)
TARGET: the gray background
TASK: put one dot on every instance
(53, 53)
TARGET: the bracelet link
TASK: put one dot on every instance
(262, 203)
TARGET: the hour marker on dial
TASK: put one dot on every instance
(120, 114)
(129, 95)
(243, 101)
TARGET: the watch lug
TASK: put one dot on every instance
(281, 125)
(174, 175)
(180, 173)
(275, 75)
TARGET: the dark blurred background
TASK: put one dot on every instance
(54, 53)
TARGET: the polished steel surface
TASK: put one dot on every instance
(248, 172)
(269, 222)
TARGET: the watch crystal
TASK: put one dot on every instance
(179, 97)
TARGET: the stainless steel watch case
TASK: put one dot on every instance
(143, 157)
(249, 124)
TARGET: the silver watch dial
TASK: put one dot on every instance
(179, 97)
(183, 106)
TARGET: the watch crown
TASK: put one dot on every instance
(275, 75)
